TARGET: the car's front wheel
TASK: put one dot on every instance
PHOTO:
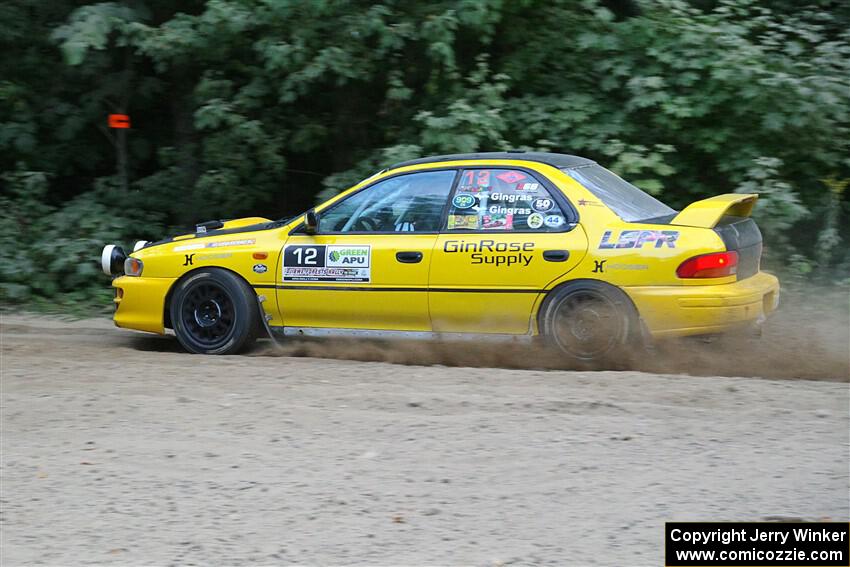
(587, 320)
(214, 311)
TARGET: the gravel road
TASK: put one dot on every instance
(119, 449)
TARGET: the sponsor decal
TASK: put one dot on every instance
(511, 176)
(599, 266)
(463, 222)
(501, 219)
(463, 201)
(586, 203)
(535, 220)
(218, 256)
(637, 238)
(475, 181)
(188, 261)
(530, 187)
(221, 244)
(183, 247)
(499, 210)
(327, 263)
(261, 268)
(543, 205)
(320, 274)
(230, 243)
(348, 256)
(553, 221)
(510, 197)
(490, 252)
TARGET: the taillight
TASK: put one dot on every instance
(717, 265)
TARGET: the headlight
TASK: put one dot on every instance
(133, 267)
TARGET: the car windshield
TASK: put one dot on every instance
(627, 201)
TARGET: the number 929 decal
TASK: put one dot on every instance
(327, 263)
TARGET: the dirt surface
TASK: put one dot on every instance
(119, 449)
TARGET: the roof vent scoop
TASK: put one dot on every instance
(209, 225)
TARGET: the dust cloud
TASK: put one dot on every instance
(807, 338)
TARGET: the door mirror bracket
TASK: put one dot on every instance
(311, 222)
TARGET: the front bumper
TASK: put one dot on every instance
(140, 303)
(670, 311)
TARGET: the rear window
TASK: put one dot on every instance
(627, 201)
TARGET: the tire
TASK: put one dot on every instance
(214, 312)
(588, 320)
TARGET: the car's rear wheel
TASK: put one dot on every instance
(587, 320)
(214, 312)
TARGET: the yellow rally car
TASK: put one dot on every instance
(513, 243)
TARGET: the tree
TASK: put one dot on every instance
(261, 106)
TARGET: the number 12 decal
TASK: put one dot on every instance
(479, 178)
(304, 256)
(327, 263)
(308, 254)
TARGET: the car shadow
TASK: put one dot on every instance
(154, 343)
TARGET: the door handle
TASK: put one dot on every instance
(408, 257)
(556, 255)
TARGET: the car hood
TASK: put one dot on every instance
(235, 226)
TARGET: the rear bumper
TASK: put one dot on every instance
(140, 303)
(670, 311)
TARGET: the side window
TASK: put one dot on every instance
(503, 199)
(407, 203)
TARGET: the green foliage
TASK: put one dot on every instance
(21, 208)
(472, 120)
(90, 28)
(778, 207)
(47, 251)
(827, 250)
(262, 106)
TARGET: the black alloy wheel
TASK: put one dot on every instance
(214, 312)
(208, 314)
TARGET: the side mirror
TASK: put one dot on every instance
(311, 222)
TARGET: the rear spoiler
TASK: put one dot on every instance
(708, 212)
